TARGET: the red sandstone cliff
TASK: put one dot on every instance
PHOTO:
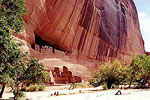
(95, 30)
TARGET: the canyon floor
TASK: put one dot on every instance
(84, 94)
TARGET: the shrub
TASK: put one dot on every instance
(95, 82)
(80, 85)
(27, 89)
(86, 84)
(35, 88)
(104, 87)
(41, 88)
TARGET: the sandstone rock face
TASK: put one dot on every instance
(97, 30)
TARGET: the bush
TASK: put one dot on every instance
(104, 87)
(35, 88)
(80, 85)
(27, 89)
(95, 82)
(41, 88)
(83, 85)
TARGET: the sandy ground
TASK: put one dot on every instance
(85, 94)
(101, 95)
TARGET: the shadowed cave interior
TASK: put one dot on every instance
(39, 41)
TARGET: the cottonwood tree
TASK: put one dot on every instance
(11, 12)
(135, 69)
(35, 73)
(15, 67)
(145, 65)
(11, 58)
(109, 73)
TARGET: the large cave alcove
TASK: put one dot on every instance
(39, 41)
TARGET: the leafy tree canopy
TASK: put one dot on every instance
(109, 73)
(35, 73)
(138, 71)
(11, 12)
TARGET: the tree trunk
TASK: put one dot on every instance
(17, 92)
(130, 82)
(144, 82)
(2, 91)
(109, 83)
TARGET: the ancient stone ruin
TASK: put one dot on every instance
(64, 77)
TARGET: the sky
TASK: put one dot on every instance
(143, 7)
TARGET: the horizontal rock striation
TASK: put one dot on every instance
(98, 30)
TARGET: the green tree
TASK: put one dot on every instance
(135, 69)
(11, 12)
(11, 60)
(109, 73)
(35, 73)
(11, 57)
(145, 63)
(15, 68)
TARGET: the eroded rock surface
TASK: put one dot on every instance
(95, 30)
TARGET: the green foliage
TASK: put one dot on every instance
(14, 65)
(11, 58)
(109, 73)
(83, 85)
(146, 66)
(35, 73)
(45, 76)
(137, 72)
(11, 12)
(35, 88)
(104, 87)
(41, 88)
(135, 66)
(95, 81)
(6, 79)
(80, 85)
(20, 94)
